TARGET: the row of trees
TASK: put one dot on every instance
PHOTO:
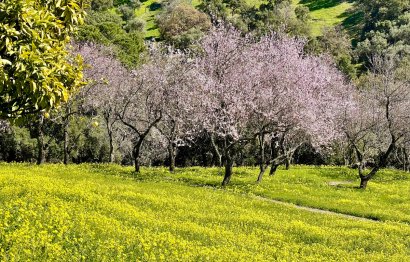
(233, 93)
(240, 89)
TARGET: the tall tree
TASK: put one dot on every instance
(378, 121)
(219, 100)
(106, 77)
(296, 96)
(141, 105)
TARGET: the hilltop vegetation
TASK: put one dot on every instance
(101, 212)
(323, 14)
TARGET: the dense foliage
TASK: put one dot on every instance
(181, 24)
(120, 30)
(36, 70)
(385, 28)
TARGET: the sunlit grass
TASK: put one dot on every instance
(328, 17)
(147, 13)
(108, 213)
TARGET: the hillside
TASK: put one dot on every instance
(105, 213)
(324, 13)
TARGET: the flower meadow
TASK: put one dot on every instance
(107, 213)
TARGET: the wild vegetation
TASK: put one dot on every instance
(100, 212)
(272, 117)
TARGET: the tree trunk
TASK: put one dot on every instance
(172, 156)
(110, 138)
(363, 182)
(228, 171)
(382, 161)
(136, 154)
(262, 164)
(137, 164)
(287, 163)
(215, 147)
(261, 173)
(273, 168)
(65, 133)
(40, 141)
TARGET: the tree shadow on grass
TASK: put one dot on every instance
(155, 6)
(352, 22)
(320, 4)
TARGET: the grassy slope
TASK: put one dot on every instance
(102, 213)
(148, 12)
(324, 13)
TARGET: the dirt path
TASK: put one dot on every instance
(316, 210)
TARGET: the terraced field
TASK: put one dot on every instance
(107, 213)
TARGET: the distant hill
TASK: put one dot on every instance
(324, 13)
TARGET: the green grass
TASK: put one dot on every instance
(106, 213)
(387, 197)
(148, 12)
(326, 13)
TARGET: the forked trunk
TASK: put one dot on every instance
(216, 150)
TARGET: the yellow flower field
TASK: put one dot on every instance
(105, 213)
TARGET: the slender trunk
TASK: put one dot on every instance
(261, 173)
(262, 164)
(65, 133)
(216, 150)
(228, 171)
(40, 141)
(136, 155)
(172, 156)
(110, 139)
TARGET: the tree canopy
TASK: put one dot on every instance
(36, 69)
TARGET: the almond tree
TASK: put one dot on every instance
(295, 98)
(106, 76)
(219, 100)
(177, 73)
(380, 118)
(140, 105)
